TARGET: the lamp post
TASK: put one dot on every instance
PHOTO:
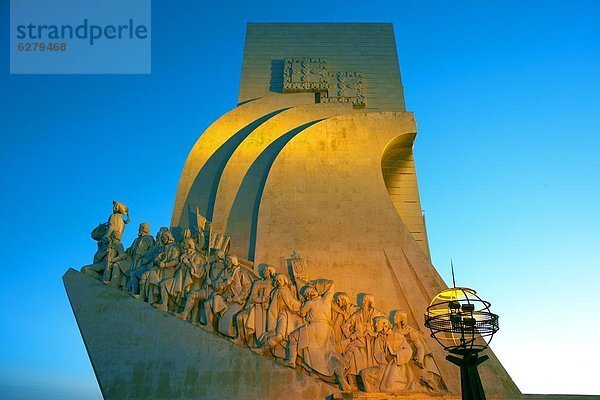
(460, 320)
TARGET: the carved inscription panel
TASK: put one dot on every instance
(312, 74)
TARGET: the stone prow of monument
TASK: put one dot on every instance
(317, 157)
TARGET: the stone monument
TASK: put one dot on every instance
(296, 264)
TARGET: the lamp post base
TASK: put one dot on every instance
(470, 382)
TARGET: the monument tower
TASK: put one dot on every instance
(316, 158)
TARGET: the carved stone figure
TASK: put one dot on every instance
(174, 287)
(282, 317)
(99, 235)
(164, 267)
(115, 261)
(136, 253)
(230, 293)
(96, 269)
(359, 329)
(253, 319)
(428, 373)
(195, 282)
(150, 276)
(147, 263)
(392, 354)
(217, 266)
(313, 342)
(323, 333)
(213, 272)
(373, 375)
(185, 235)
(116, 223)
(125, 264)
(341, 310)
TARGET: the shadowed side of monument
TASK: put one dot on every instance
(139, 352)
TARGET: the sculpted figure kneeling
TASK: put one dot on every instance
(117, 262)
(391, 354)
(114, 261)
(427, 371)
(403, 360)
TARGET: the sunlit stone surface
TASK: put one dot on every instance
(317, 158)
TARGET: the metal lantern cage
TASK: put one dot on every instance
(461, 321)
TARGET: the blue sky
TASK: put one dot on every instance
(506, 99)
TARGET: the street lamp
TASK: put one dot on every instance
(460, 321)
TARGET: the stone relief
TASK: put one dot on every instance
(304, 74)
(252, 321)
(344, 87)
(312, 74)
(302, 323)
